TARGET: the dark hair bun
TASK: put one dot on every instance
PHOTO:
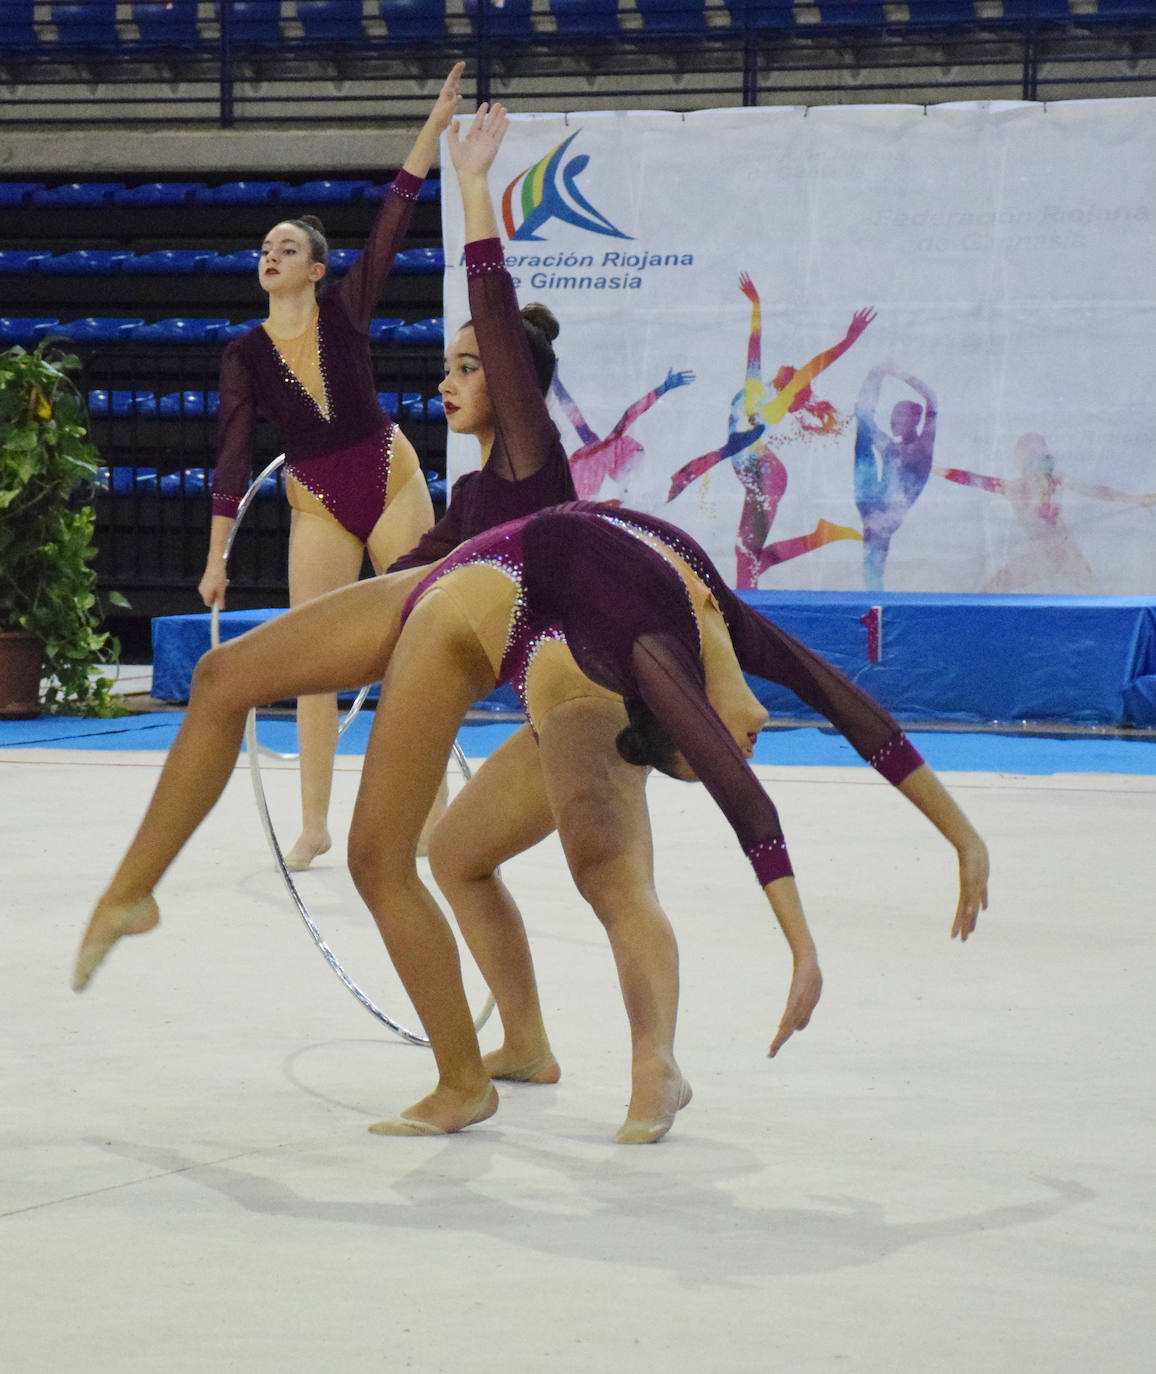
(543, 318)
(314, 223)
(632, 748)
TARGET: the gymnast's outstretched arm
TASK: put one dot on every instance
(338, 641)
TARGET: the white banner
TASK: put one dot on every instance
(849, 347)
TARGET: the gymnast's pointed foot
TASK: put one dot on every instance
(652, 1117)
(309, 845)
(528, 1067)
(441, 1113)
(109, 922)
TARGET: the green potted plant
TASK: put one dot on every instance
(49, 616)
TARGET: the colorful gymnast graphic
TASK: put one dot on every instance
(890, 469)
(617, 454)
(1052, 561)
(756, 465)
(549, 191)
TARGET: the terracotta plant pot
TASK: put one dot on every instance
(21, 659)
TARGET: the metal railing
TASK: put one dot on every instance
(727, 52)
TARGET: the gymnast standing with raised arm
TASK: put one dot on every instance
(352, 478)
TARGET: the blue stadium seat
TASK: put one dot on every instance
(1046, 11)
(15, 262)
(124, 481)
(341, 260)
(767, 14)
(85, 262)
(166, 23)
(241, 193)
(327, 192)
(187, 403)
(77, 195)
(594, 17)
(87, 27)
(17, 192)
(415, 408)
(17, 30)
(256, 23)
(239, 264)
(331, 21)
(190, 482)
(234, 331)
(419, 262)
(388, 401)
(1121, 9)
(121, 404)
(851, 14)
(178, 331)
(167, 262)
(513, 20)
(25, 330)
(941, 14)
(672, 16)
(158, 193)
(423, 332)
(95, 330)
(414, 21)
(385, 329)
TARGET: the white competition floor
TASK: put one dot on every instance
(950, 1170)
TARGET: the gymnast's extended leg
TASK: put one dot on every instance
(342, 640)
(501, 812)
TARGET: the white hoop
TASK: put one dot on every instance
(255, 750)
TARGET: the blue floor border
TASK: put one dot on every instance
(800, 746)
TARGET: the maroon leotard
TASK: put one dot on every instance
(527, 469)
(256, 381)
(584, 570)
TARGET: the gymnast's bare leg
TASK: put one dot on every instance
(437, 671)
(501, 812)
(324, 555)
(339, 641)
(599, 803)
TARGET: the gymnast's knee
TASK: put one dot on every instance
(214, 681)
(377, 871)
(600, 860)
(452, 863)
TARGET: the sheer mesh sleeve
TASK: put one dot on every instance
(234, 434)
(525, 438)
(769, 652)
(670, 681)
(360, 288)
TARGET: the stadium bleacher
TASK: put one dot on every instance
(148, 279)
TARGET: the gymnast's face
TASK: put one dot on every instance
(463, 388)
(286, 264)
(735, 704)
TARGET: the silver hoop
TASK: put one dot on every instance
(255, 750)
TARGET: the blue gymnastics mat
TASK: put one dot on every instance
(974, 660)
(802, 746)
